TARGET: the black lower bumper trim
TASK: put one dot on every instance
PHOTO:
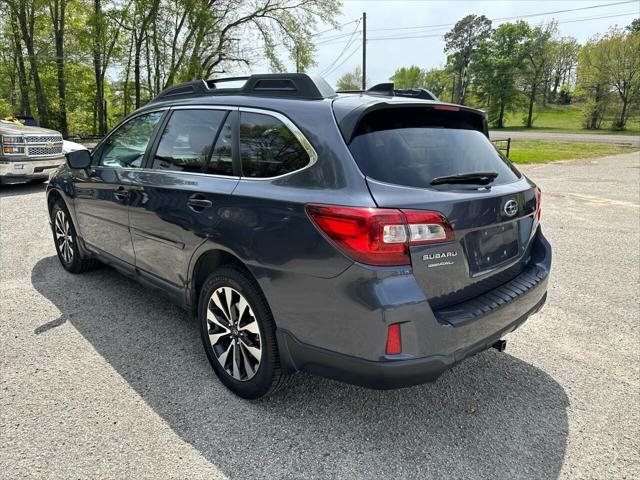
(296, 355)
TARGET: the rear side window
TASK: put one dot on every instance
(412, 146)
(268, 148)
(187, 142)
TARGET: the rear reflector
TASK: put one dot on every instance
(379, 236)
(394, 341)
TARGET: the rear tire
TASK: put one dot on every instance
(66, 241)
(238, 334)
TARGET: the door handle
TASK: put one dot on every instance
(198, 203)
(121, 193)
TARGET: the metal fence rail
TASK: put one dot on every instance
(503, 144)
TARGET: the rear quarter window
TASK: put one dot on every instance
(268, 148)
(412, 146)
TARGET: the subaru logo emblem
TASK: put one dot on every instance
(511, 208)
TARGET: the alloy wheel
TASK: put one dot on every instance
(234, 334)
(64, 237)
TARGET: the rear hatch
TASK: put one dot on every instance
(420, 158)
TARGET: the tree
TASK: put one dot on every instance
(57, 10)
(538, 55)
(408, 77)
(136, 48)
(17, 65)
(634, 26)
(350, 80)
(25, 11)
(104, 30)
(461, 42)
(436, 81)
(593, 82)
(564, 61)
(498, 62)
(609, 65)
(622, 55)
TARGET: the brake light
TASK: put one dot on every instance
(538, 204)
(394, 340)
(449, 108)
(379, 236)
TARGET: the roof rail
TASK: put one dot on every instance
(387, 89)
(292, 85)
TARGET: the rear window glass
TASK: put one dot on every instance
(413, 146)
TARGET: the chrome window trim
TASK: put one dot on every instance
(204, 107)
(313, 155)
(306, 144)
(166, 172)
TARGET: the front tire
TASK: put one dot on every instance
(238, 334)
(66, 241)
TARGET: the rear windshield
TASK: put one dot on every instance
(412, 146)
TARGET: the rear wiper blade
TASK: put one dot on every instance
(475, 178)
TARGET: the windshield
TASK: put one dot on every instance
(411, 147)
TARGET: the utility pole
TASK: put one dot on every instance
(364, 50)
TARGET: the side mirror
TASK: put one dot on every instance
(80, 159)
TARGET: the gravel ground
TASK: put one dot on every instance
(626, 140)
(102, 378)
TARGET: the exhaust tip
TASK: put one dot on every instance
(500, 345)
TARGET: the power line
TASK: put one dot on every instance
(418, 27)
(332, 40)
(335, 28)
(345, 60)
(434, 35)
(352, 38)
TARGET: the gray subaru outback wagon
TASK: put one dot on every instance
(373, 237)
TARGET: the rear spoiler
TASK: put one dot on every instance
(348, 124)
(387, 89)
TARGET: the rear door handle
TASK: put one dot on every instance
(198, 203)
(121, 193)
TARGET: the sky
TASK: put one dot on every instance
(339, 52)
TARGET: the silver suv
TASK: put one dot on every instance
(28, 153)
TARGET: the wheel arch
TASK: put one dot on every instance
(207, 261)
(53, 195)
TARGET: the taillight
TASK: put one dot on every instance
(427, 227)
(538, 204)
(394, 340)
(379, 236)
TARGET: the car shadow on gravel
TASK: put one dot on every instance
(493, 416)
(16, 189)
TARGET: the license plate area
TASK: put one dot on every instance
(491, 247)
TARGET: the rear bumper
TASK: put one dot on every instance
(385, 374)
(16, 170)
(432, 341)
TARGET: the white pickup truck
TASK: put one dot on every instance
(28, 153)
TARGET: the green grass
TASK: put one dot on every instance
(565, 119)
(542, 151)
